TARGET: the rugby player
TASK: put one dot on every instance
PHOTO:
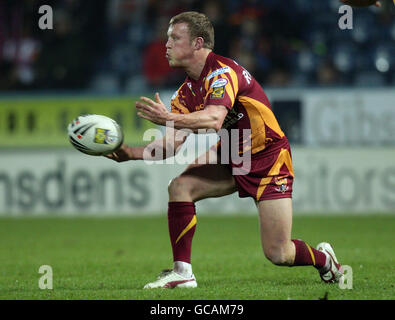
(219, 94)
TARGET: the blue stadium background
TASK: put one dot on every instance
(113, 46)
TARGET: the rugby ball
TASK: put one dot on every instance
(94, 134)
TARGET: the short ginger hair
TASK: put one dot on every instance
(198, 25)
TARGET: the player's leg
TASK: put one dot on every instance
(275, 217)
(202, 179)
(200, 182)
(275, 220)
(197, 182)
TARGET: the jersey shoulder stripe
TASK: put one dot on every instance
(221, 84)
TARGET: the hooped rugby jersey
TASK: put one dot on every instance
(224, 82)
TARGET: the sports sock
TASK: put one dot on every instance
(182, 225)
(306, 255)
(183, 268)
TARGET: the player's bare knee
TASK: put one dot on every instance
(173, 186)
(179, 186)
(277, 256)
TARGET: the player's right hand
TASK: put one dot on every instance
(124, 153)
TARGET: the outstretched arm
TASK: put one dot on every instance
(211, 117)
(158, 149)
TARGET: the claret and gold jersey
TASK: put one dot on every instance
(224, 82)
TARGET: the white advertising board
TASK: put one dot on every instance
(349, 117)
(65, 182)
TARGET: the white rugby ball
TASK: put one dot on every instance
(94, 134)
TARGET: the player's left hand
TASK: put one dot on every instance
(154, 111)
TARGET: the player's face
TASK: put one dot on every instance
(179, 47)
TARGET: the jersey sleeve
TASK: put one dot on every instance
(222, 86)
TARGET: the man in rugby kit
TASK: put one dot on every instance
(219, 94)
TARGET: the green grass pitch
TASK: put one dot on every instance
(112, 258)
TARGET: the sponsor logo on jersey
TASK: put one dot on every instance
(231, 118)
(219, 83)
(282, 183)
(247, 76)
(218, 93)
(217, 72)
